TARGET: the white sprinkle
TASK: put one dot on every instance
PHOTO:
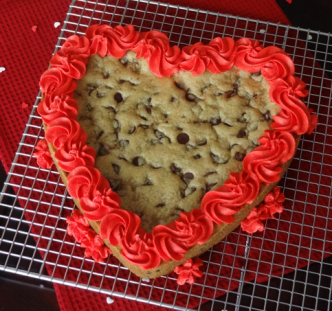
(262, 30)
(109, 300)
(146, 280)
(41, 286)
(57, 24)
(309, 37)
(2, 69)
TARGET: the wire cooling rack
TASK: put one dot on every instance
(287, 267)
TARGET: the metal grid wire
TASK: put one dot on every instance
(33, 237)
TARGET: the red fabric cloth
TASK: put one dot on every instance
(26, 54)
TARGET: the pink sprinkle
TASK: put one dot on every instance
(34, 28)
(24, 105)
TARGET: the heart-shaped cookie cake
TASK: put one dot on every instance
(165, 151)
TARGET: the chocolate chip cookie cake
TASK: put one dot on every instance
(166, 150)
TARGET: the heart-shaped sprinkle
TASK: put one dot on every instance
(2, 69)
(109, 300)
(34, 28)
(24, 105)
(57, 24)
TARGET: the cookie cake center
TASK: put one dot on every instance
(164, 142)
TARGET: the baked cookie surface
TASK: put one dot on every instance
(164, 142)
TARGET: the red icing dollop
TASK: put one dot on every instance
(99, 204)
(116, 41)
(173, 240)
(57, 107)
(294, 116)
(264, 161)
(43, 155)
(272, 204)
(62, 129)
(163, 60)
(54, 82)
(72, 58)
(188, 271)
(79, 228)
(222, 204)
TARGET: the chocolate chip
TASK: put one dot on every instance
(110, 108)
(191, 97)
(210, 173)
(183, 138)
(241, 133)
(256, 74)
(118, 97)
(202, 142)
(116, 168)
(175, 169)
(254, 96)
(124, 143)
(217, 159)
(160, 205)
(148, 110)
(138, 161)
(227, 124)
(159, 134)
(197, 156)
(115, 184)
(106, 75)
(147, 182)
(189, 191)
(122, 81)
(215, 120)
(208, 187)
(123, 61)
(144, 118)
(172, 99)
(99, 135)
(88, 107)
(132, 130)
(180, 85)
(230, 94)
(187, 177)
(239, 156)
(149, 272)
(103, 151)
(144, 126)
(219, 94)
(267, 115)
(149, 100)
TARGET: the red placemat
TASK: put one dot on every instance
(25, 54)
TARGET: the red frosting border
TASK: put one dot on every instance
(99, 203)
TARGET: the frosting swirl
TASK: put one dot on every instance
(163, 60)
(84, 181)
(73, 154)
(62, 129)
(173, 240)
(54, 82)
(118, 226)
(263, 162)
(57, 107)
(95, 247)
(141, 252)
(43, 155)
(72, 57)
(222, 204)
(112, 41)
(100, 204)
(294, 116)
